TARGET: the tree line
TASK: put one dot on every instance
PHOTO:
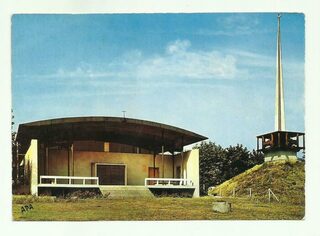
(218, 164)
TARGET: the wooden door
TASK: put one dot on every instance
(111, 174)
(153, 173)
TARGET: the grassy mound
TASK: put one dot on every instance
(285, 179)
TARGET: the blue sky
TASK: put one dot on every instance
(213, 74)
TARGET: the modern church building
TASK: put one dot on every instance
(107, 153)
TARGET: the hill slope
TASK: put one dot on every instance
(286, 180)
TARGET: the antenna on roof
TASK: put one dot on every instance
(124, 114)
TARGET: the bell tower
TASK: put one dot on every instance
(280, 144)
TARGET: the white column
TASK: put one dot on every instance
(34, 166)
(279, 102)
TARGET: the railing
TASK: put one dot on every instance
(46, 180)
(167, 182)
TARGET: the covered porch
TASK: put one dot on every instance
(89, 182)
(105, 169)
(99, 152)
(152, 187)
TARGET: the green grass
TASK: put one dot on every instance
(285, 179)
(153, 209)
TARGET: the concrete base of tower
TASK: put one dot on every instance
(281, 156)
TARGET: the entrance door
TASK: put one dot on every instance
(153, 173)
(111, 174)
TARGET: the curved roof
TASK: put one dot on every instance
(140, 133)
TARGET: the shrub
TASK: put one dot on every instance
(84, 194)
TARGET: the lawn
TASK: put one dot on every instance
(166, 208)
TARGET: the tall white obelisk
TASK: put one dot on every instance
(280, 124)
(280, 144)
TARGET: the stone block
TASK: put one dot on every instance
(222, 206)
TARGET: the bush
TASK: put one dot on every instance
(84, 194)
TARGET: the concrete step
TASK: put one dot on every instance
(126, 191)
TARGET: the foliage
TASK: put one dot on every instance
(14, 151)
(83, 194)
(175, 194)
(218, 164)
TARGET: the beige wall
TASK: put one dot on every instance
(189, 167)
(137, 165)
(281, 156)
(58, 162)
(192, 169)
(31, 167)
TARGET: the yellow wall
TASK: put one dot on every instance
(58, 162)
(190, 167)
(31, 166)
(137, 165)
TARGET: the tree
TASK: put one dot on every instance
(256, 158)
(218, 164)
(211, 163)
(238, 160)
(14, 150)
(14, 157)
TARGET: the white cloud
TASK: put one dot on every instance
(178, 46)
(253, 59)
(235, 24)
(178, 60)
(239, 23)
(181, 61)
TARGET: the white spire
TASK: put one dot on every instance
(280, 124)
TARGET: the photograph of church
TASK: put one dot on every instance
(162, 116)
(108, 153)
